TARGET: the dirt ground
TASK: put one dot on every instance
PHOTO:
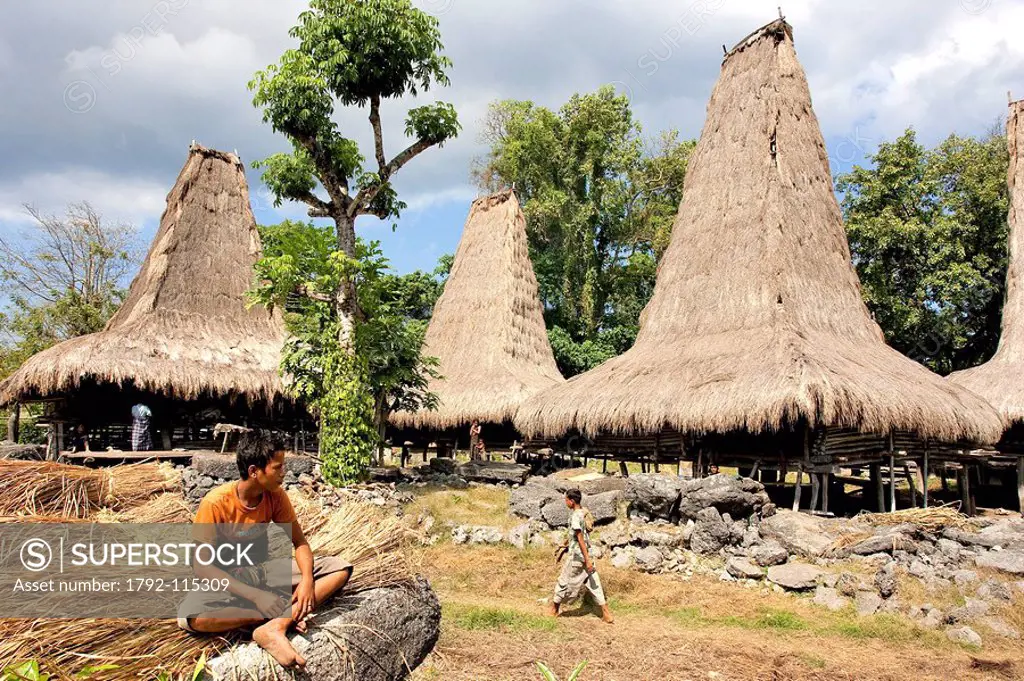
(494, 629)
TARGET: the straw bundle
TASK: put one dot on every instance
(184, 328)
(55, 489)
(487, 330)
(360, 533)
(931, 520)
(757, 322)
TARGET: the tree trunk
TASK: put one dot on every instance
(14, 423)
(345, 303)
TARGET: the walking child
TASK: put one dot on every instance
(578, 570)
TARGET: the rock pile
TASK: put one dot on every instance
(542, 499)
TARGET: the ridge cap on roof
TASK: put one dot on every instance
(772, 28)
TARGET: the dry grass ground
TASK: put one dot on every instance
(494, 628)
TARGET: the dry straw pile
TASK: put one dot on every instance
(360, 533)
(46, 488)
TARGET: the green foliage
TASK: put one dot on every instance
(351, 393)
(927, 230)
(549, 675)
(353, 54)
(599, 204)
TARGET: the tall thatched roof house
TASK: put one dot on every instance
(756, 324)
(1001, 379)
(487, 329)
(184, 333)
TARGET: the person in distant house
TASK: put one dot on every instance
(142, 440)
(578, 570)
(244, 508)
(80, 442)
(474, 440)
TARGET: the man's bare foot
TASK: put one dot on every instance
(553, 610)
(606, 615)
(271, 637)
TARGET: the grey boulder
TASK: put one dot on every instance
(800, 533)
(739, 497)
(795, 576)
(654, 496)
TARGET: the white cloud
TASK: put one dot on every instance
(116, 197)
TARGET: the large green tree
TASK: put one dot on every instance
(388, 340)
(64, 276)
(599, 201)
(350, 53)
(927, 229)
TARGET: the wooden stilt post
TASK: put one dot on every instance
(623, 469)
(826, 480)
(657, 463)
(755, 469)
(1020, 483)
(604, 465)
(797, 490)
(700, 463)
(924, 475)
(426, 450)
(910, 482)
(963, 486)
(892, 475)
(815, 484)
(876, 484)
(14, 422)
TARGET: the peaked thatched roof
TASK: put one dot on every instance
(184, 328)
(1001, 379)
(756, 320)
(487, 329)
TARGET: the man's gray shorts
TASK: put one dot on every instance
(199, 603)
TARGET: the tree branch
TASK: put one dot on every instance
(306, 291)
(378, 136)
(366, 195)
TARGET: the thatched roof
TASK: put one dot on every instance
(184, 328)
(1001, 379)
(487, 329)
(756, 322)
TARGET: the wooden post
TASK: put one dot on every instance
(1020, 483)
(963, 486)
(623, 469)
(876, 484)
(657, 463)
(924, 475)
(892, 482)
(51, 442)
(14, 422)
(826, 480)
(700, 463)
(815, 484)
(60, 438)
(797, 490)
(604, 465)
(404, 454)
(426, 449)
(913, 487)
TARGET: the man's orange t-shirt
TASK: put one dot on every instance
(222, 505)
(237, 523)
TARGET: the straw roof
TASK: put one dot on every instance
(487, 329)
(756, 322)
(184, 328)
(1001, 379)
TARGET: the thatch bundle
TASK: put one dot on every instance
(360, 533)
(487, 329)
(55, 489)
(756, 322)
(184, 328)
(1001, 379)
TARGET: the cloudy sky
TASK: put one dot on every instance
(101, 99)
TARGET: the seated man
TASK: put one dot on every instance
(259, 498)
